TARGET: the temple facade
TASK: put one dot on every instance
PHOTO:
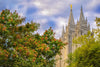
(72, 30)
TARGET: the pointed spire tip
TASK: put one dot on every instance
(71, 6)
(81, 8)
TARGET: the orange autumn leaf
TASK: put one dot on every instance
(39, 56)
(18, 36)
(25, 39)
(42, 44)
(33, 50)
(20, 50)
(51, 30)
(14, 56)
(32, 27)
(3, 18)
(25, 43)
(35, 55)
(16, 48)
(58, 44)
(4, 21)
(11, 19)
(60, 47)
(25, 48)
(42, 38)
(46, 31)
(5, 51)
(4, 29)
(41, 49)
(6, 55)
(30, 39)
(33, 60)
(14, 44)
(46, 38)
(47, 48)
(59, 40)
(27, 53)
(53, 47)
(20, 45)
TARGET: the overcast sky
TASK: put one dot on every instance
(53, 13)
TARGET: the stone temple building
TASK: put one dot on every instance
(71, 31)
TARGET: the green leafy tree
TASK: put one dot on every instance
(88, 55)
(97, 21)
(19, 47)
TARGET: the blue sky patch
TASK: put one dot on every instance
(51, 24)
(31, 10)
(97, 9)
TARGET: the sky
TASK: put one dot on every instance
(53, 13)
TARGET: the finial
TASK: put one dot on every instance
(71, 6)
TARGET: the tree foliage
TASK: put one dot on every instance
(19, 47)
(97, 21)
(88, 55)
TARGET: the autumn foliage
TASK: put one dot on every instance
(20, 47)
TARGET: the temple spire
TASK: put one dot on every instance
(81, 15)
(63, 31)
(71, 19)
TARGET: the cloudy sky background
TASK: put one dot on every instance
(53, 13)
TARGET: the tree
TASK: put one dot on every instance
(88, 55)
(97, 21)
(20, 47)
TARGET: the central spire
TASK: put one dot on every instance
(71, 19)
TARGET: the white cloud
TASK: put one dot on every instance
(37, 3)
(54, 7)
(91, 18)
(93, 25)
(43, 24)
(92, 4)
(60, 22)
(50, 7)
